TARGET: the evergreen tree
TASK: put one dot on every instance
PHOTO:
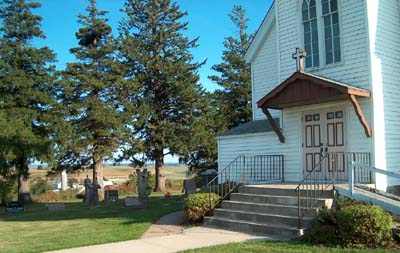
(235, 76)
(231, 105)
(90, 92)
(26, 78)
(168, 98)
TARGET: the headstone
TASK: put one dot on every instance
(189, 186)
(55, 206)
(91, 192)
(64, 180)
(142, 183)
(133, 202)
(14, 207)
(207, 176)
(111, 195)
(24, 195)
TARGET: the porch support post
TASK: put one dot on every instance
(273, 125)
(360, 115)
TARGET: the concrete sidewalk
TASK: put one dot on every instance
(169, 224)
(191, 238)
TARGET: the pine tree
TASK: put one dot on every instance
(91, 93)
(168, 96)
(26, 78)
(235, 76)
(231, 105)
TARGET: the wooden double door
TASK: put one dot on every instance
(324, 133)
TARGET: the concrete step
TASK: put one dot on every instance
(265, 208)
(278, 191)
(277, 200)
(273, 219)
(252, 228)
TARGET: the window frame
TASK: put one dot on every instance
(321, 35)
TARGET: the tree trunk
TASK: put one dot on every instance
(98, 174)
(159, 167)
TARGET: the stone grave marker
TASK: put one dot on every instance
(55, 206)
(142, 177)
(111, 195)
(189, 186)
(14, 207)
(91, 192)
(133, 203)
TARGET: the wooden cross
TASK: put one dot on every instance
(299, 57)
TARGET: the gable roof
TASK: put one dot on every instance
(306, 89)
(261, 33)
(252, 127)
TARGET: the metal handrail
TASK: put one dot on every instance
(242, 170)
(316, 182)
(310, 198)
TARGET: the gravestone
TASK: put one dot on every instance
(142, 177)
(189, 186)
(91, 192)
(133, 202)
(24, 194)
(111, 195)
(64, 180)
(207, 176)
(55, 206)
(14, 207)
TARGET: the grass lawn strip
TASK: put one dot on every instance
(277, 247)
(38, 230)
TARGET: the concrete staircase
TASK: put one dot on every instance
(264, 209)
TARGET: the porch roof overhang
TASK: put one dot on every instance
(302, 89)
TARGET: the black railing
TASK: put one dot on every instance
(244, 169)
(331, 169)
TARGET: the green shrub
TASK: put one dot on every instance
(364, 226)
(40, 186)
(325, 234)
(7, 189)
(197, 205)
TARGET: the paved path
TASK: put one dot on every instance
(191, 238)
(169, 224)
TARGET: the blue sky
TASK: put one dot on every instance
(207, 19)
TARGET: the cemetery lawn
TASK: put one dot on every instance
(277, 247)
(37, 229)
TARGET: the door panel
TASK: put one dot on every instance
(324, 131)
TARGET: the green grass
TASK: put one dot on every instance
(276, 247)
(37, 229)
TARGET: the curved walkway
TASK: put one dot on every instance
(167, 235)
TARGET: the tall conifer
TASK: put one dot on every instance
(234, 73)
(26, 78)
(90, 93)
(167, 102)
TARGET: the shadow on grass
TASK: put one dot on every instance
(156, 208)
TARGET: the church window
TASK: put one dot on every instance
(309, 18)
(330, 18)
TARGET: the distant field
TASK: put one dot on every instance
(121, 173)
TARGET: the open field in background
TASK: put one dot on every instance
(120, 173)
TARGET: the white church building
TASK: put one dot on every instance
(340, 95)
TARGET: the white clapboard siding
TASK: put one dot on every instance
(268, 143)
(265, 72)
